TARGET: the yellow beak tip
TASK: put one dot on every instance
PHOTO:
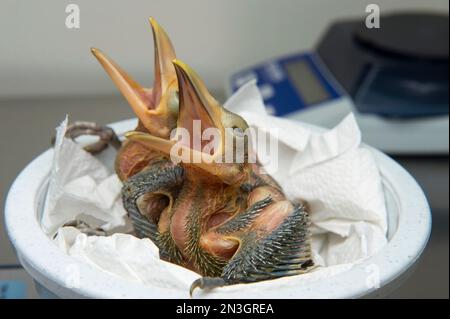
(183, 67)
(96, 52)
(153, 23)
(129, 135)
(177, 62)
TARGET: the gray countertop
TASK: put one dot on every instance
(27, 125)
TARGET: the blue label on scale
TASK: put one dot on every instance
(12, 289)
(291, 84)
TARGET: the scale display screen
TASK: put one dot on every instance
(291, 84)
(306, 82)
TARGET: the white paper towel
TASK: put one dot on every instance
(329, 170)
(81, 187)
(125, 256)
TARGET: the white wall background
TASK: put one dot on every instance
(39, 56)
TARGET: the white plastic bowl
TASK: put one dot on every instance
(409, 222)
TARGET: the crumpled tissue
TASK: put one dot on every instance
(329, 170)
(81, 187)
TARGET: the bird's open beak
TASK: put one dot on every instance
(199, 112)
(200, 115)
(164, 55)
(146, 102)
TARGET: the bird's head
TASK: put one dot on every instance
(157, 107)
(207, 135)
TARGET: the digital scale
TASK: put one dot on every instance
(394, 79)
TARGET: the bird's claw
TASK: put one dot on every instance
(207, 283)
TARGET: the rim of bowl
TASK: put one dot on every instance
(49, 265)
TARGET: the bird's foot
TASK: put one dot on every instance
(106, 135)
(207, 283)
(85, 228)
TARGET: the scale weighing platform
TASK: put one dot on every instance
(394, 79)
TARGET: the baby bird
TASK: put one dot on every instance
(226, 221)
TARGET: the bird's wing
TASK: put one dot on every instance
(155, 179)
(283, 251)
